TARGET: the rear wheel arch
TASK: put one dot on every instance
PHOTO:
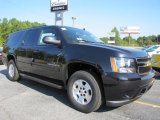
(11, 57)
(13, 73)
(12, 60)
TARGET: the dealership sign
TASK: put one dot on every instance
(59, 5)
(130, 30)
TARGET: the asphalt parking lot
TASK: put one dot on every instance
(28, 100)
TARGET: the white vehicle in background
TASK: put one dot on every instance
(153, 50)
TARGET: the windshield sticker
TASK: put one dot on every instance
(79, 39)
(63, 28)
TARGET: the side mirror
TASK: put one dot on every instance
(51, 40)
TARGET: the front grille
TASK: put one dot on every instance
(143, 65)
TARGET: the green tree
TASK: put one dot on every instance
(158, 39)
(115, 30)
(12, 25)
(118, 40)
(147, 40)
(104, 39)
(140, 41)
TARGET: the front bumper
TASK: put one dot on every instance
(121, 88)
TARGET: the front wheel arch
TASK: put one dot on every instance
(85, 66)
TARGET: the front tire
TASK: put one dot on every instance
(84, 91)
(13, 74)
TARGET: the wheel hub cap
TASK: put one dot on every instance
(82, 92)
(11, 70)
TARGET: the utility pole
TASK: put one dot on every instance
(59, 17)
(129, 39)
(73, 21)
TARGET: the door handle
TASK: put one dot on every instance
(36, 51)
(21, 50)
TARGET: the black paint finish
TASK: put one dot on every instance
(49, 62)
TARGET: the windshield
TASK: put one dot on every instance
(78, 35)
(152, 49)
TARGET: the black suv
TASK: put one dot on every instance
(92, 72)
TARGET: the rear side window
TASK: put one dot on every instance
(31, 37)
(15, 38)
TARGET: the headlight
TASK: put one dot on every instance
(123, 65)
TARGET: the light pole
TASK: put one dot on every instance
(73, 21)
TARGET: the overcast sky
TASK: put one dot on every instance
(97, 16)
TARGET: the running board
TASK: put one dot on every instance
(41, 81)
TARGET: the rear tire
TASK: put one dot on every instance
(13, 74)
(84, 91)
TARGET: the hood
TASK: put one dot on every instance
(117, 50)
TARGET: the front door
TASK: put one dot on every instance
(47, 59)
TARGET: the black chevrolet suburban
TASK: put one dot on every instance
(69, 58)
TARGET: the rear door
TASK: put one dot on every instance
(47, 58)
(12, 45)
(25, 51)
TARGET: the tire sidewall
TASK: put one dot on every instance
(96, 94)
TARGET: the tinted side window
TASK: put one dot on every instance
(47, 32)
(31, 37)
(15, 38)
